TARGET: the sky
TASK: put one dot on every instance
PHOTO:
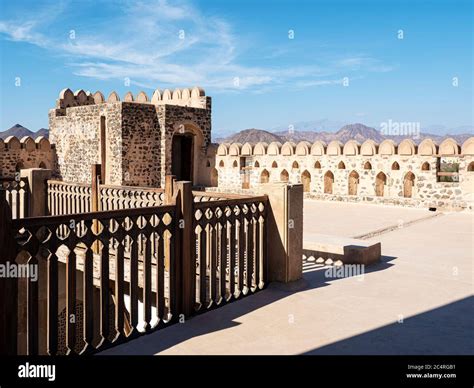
(266, 64)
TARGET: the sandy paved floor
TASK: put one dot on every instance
(417, 301)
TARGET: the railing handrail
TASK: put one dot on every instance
(106, 214)
(133, 188)
(230, 202)
(211, 194)
(56, 182)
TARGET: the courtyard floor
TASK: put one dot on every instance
(418, 300)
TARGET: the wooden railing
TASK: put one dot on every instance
(68, 198)
(112, 260)
(98, 257)
(129, 197)
(230, 249)
(16, 193)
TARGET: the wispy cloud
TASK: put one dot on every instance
(157, 43)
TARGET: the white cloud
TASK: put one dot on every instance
(141, 41)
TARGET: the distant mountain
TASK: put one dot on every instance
(358, 132)
(251, 136)
(20, 131)
(323, 125)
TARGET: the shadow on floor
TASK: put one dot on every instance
(446, 330)
(227, 315)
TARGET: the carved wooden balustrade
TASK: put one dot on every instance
(230, 249)
(68, 198)
(129, 197)
(99, 258)
(16, 194)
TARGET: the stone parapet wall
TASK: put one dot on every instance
(16, 154)
(403, 174)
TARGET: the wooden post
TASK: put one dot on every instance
(8, 286)
(185, 245)
(95, 173)
(169, 189)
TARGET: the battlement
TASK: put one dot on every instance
(406, 147)
(12, 143)
(190, 97)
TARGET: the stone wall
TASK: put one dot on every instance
(404, 174)
(138, 134)
(17, 154)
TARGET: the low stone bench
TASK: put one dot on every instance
(347, 250)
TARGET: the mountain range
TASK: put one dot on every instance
(20, 131)
(358, 132)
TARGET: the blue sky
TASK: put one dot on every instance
(345, 62)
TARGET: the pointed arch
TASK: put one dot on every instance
(295, 165)
(235, 164)
(470, 167)
(317, 165)
(257, 164)
(264, 176)
(408, 183)
(353, 182)
(395, 166)
(425, 166)
(380, 182)
(42, 165)
(341, 165)
(214, 177)
(284, 176)
(306, 181)
(367, 166)
(221, 163)
(328, 182)
(274, 164)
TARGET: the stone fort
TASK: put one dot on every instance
(140, 140)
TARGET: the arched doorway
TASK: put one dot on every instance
(408, 183)
(214, 178)
(380, 181)
(353, 183)
(306, 181)
(328, 182)
(284, 176)
(264, 177)
(182, 156)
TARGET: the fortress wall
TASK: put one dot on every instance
(309, 164)
(75, 132)
(140, 145)
(25, 153)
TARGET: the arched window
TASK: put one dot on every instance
(274, 164)
(341, 165)
(235, 164)
(221, 163)
(408, 183)
(306, 181)
(295, 165)
(367, 166)
(395, 166)
(470, 167)
(425, 166)
(284, 176)
(328, 182)
(257, 164)
(317, 165)
(264, 177)
(380, 181)
(353, 183)
(214, 178)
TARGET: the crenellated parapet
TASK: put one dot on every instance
(191, 97)
(335, 148)
(424, 175)
(26, 152)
